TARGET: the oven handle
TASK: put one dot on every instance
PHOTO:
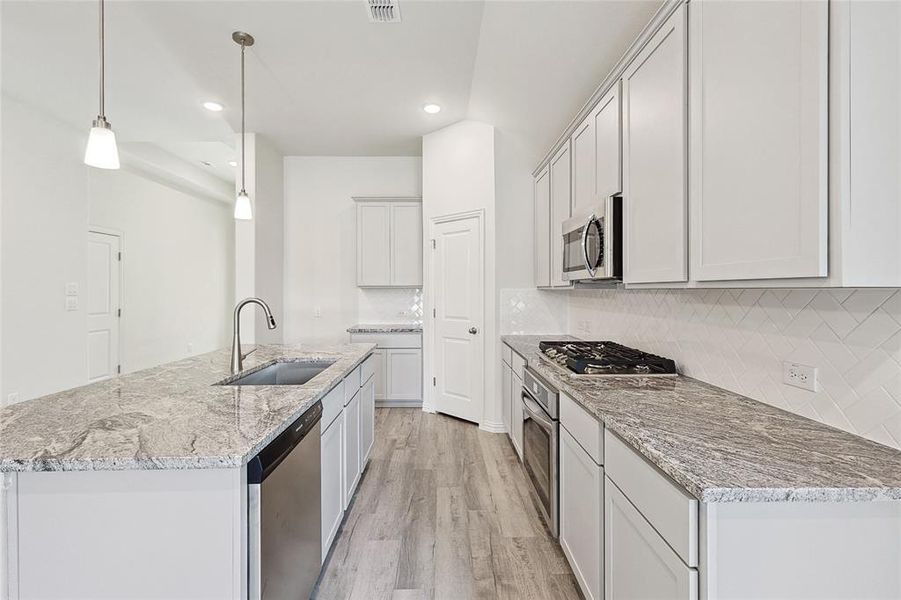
(534, 411)
(591, 270)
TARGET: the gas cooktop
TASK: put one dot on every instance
(605, 358)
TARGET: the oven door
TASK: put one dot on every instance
(539, 456)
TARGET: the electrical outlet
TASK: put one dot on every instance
(71, 303)
(585, 327)
(799, 376)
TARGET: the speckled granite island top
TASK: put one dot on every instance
(386, 328)
(168, 417)
(724, 447)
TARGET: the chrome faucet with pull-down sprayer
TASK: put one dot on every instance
(237, 357)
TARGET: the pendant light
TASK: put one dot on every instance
(102, 151)
(243, 207)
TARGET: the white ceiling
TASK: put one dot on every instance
(322, 79)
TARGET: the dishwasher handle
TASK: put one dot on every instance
(268, 459)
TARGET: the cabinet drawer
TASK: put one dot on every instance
(388, 340)
(638, 563)
(507, 353)
(367, 369)
(332, 405)
(666, 506)
(518, 364)
(584, 428)
(352, 384)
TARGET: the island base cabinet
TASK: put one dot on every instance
(367, 421)
(332, 476)
(581, 515)
(351, 437)
(637, 562)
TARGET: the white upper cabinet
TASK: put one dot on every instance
(596, 148)
(608, 140)
(561, 190)
(389, 243)
(543, 228)
(654, 158)
(758, 73)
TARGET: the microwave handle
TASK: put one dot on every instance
(588, 267)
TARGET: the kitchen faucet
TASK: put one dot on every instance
(237, 357)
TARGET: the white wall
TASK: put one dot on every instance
(738, 340)
(178, 257)
(320, 243)
(458, 167)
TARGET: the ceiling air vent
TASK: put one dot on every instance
(383, 11)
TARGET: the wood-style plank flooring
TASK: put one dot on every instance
(443, 511)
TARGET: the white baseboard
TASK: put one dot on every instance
(493, 427)
(426, 407)
(398, 403)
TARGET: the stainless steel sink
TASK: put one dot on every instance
(284, 373)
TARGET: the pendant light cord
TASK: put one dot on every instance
(243, 134)
(102, 64)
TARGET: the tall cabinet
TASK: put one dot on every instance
(543, 228)
(655, 158)
(759, 143)
(561, 189)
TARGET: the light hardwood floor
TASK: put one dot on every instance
(443, 511)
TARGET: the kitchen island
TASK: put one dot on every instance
(137, 486)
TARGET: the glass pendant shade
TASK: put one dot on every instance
(243, 209)
(102, 151)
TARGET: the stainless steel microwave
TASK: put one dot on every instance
(592, 243)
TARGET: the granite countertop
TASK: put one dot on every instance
(167, 417)
(724, 447)
(386, 328)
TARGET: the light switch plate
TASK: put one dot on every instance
(71, 303)
(72, 288)
(799, 376)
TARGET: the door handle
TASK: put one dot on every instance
(473, 330)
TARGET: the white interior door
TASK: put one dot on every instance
(103, 305)
(458, 300)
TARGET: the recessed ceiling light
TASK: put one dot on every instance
(213, 106)
(233, 163)
(432, 108)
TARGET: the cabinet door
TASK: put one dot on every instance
(367, 421)
(608, 140)
(406, 244)
(654, 158)
(637, 562)
(351, 438)
(758, 106)
(506, 386)
(332, 462)
(560, 211)
(380, 378)
(373, 244)
(583, 146)
(516, 412)
(404, 379)
(581, 515)
(543, 228)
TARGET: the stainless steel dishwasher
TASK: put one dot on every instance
(283, 502)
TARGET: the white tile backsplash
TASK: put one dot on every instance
(389, 305)
(738, 340)
(525, 311)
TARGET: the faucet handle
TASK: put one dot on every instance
(249, 352)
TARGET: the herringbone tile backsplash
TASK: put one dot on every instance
(738, 340)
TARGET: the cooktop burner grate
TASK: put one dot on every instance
(606, 358)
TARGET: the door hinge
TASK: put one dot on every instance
(118, 369)
(434, 312)
(433, 244)
(434, 382)
(119, 313)
(120, 256)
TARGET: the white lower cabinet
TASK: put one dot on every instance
(506, 405)
(638, 563)
(403, 374)
(332, 461)
(581, 515)
(351, 436)
(367, 420)
(516, 412)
